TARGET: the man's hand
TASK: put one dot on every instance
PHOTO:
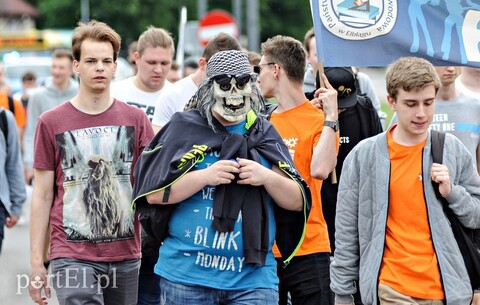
(252, 172)
(476, 298)
(326, 99)
(39, 281)
(439, 174)
(29, 175)
(11, 221)
(222, 172)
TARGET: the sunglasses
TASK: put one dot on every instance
(224, 80)
(258, 68)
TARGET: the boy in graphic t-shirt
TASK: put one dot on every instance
(84, 152)
(391, 231)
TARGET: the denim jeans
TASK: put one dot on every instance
(307, 278)
(178, 294)
(95, 283)
(3, 220)
(148, 289)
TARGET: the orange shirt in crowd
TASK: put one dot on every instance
(300, 129)
(409, 262)
(19, 111)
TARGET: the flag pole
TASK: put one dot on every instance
(321, 70)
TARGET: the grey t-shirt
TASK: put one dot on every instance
(460, 117)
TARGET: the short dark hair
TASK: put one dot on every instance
(221, 42)
(29, 76)
(288, 53)
(306, 40)
(254, 58)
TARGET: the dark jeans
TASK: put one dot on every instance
(3, 220)
(307, 278)
(148, 282)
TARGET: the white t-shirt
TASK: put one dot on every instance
(125, 90)
(173, 99)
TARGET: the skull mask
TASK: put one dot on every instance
(232, 96)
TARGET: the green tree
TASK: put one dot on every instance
(290, 18)
(131, 17)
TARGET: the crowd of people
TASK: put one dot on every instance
(243, 178)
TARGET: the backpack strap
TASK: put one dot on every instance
(11, 104)
(438, 141)
(4, 123)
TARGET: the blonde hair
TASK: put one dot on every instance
(155, 37)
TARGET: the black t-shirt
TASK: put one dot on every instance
(356, 123)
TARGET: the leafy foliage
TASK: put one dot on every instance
(131, 17)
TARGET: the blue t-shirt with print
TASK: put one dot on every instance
(195, 254)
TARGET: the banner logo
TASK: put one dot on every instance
(358, 19)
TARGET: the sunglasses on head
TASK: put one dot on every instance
(224, 79)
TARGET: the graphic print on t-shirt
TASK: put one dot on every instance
(149, 110)
(291, 143)
(96, 165)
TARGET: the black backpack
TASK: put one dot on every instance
(3, 117)
(468, 248)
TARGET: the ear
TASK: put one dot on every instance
(136, 56)
(75, 66)
(392, 103)
(276, 71)
(202, 63)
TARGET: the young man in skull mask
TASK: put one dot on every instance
(229, 190)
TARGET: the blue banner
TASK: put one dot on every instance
(377, 32)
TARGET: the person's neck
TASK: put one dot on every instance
(403, 138)
(198, 77)
(63, 85)
(470, 82)
(289, 95)
(137, 81)
(447, 93)
(91, 102)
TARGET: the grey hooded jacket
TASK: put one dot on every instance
(362, 209)
(41, 100)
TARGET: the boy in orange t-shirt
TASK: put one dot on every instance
(312, 138)
(392, 235)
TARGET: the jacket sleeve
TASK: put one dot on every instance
(14, 168)
(33, 112)
(344, 269)
(464, 198)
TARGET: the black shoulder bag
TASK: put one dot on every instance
(468, 249)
